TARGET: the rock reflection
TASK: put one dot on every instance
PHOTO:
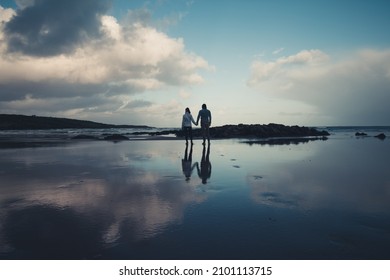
(284, 141)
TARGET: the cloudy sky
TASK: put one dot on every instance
(324, 62)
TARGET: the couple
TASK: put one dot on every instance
(205, 121)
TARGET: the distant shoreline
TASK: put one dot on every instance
(50, 132)
(23, 122)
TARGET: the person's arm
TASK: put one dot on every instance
(198, 169)
(195, 165)
(193, 121)
(210, 118)
(197, 119)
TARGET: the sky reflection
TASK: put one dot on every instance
(350, 175)
(104, 200)
(112, 188)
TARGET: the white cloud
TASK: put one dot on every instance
(352, 91)
(285, 66)
(277, 51)
(6, 14)
(184, 94)
(127, 59)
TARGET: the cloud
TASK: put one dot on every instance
(138, 104)
(267, 71)
(105, 66)
(150, 204)
(353, 90)
(184, 94)
(277, 51)
(49, 28)
(6, 14)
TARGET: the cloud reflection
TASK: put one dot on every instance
(101, 205)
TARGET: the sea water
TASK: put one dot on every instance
(324, 199)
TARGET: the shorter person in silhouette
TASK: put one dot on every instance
(204, 172)
(187, 124)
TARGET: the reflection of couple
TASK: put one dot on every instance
(205, 121)
(204, 171)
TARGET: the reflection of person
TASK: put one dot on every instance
(205, 121)
(204, 172)
(186, 163)
(186, 124)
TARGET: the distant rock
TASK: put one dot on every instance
(360, 134)
(85, 137)
(381, 136)
(116, 137)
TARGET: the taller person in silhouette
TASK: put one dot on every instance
(204, 172)
(205, 122)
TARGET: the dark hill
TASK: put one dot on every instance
(13, 122)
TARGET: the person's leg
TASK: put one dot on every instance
(208, 132)
(203, 127)
(190, 132)
(186, 133)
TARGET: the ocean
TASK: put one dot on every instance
(162, 199)
(66, 134)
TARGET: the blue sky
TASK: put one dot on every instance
(143, 62)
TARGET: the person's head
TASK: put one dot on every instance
(204, 106)
(188, 110)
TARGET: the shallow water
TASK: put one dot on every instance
(158, 200)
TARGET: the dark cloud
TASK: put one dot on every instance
(49, 89)
(49, 27)
(138, 104)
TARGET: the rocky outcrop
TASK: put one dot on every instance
(360, 134)
(258, 131)
(255, 131)
(84, 137)
(381, 136)
(116, 137)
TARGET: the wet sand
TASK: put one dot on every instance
(164, 200)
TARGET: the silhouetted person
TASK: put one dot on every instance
(187, 124)
(204, 172)
(186, 163)
(205, 122)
